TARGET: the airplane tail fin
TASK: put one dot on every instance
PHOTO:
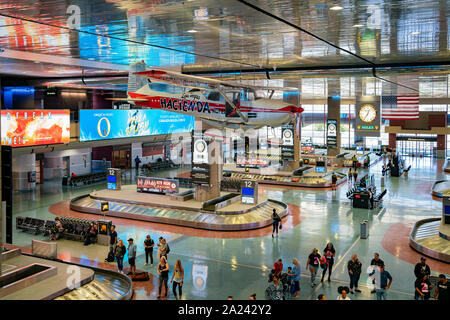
(135, 82)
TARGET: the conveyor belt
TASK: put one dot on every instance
(257, 217)
(425, 239)
(103, 287)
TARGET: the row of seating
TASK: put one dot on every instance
(75, 228)
(36, 226)
(229, 184)
(166, 164)
(84, 179)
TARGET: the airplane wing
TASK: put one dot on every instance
(180, 79)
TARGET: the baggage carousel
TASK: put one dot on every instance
(130, 204)
(431, 237)
(441, 188)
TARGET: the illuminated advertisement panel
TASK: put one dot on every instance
(157, 185)
(116, 123)
(22, 128)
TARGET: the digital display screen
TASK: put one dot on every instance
(320, 169)
(116, 123)
(111, 179)
(248, 192)
(447, 210)
(22, 128)
(111, 186)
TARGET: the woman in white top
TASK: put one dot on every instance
(177, 279)
(343, 291)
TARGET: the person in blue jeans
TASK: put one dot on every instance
(313, 265)
(276, 220)
(381, 283)
(295, 278)
(119, 252)
(354, 272)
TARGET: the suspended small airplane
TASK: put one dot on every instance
(219, 103)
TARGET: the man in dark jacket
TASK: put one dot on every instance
(421, 269)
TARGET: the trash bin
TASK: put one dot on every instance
(364, 229)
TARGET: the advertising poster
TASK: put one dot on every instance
(23, 128)
(201, 171)
(116, 123)
(157, 185)
(368, 121)
(287, 145)
(332, 133)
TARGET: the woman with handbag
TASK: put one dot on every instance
(313, 265)
(276, 222)
(329, 254)
(354, 271)
(119, 252)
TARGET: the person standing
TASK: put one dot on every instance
(382, 285)
(329, 254)
(313, 264)
(422, 288)
(354, 271)
(163, 272)
(119, 253)
(112, 239)
(376, 262)
(296, 278)
(350, 176)
(276, 220)
(177, 279)
(354, 161)
(355, 176)
(148, 245)
(137, 161)
(421, 269)
(132, 256)
(442, 292)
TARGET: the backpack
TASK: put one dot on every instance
(168, 249)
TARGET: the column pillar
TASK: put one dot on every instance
(334, 113)
(294, 98)
(392, 140)
(23, 165)
(441, 146)
(136, 150)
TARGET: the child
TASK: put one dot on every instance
(289, 279)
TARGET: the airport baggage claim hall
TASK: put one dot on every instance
(229, 149)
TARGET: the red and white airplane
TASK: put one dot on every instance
(218, 103)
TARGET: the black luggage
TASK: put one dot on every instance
(140, 276)
(110, 257)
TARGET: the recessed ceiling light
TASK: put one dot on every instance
(36, 61)
(192, 31)
(358, 25)
(415, 32)
(336, 8)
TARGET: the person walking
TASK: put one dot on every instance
(119, 253)
(381, 283)
(137, 161)
(350, 176)
(177, 279)
(333, 181)
(148, 245)
(354, 271)
(163, 272)
(442, 291)
(421, 269)
(313, 265)
(354, 161)
(329, 254)
(355, 176)
(276, 221)
(296, 271)
(422, 288)
(132, 256)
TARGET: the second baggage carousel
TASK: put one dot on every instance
(129, 204)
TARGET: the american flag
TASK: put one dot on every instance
(400, 107)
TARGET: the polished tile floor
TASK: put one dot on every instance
(237, 264)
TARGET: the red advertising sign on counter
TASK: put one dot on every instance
(157, 185)
(22, 128)
(252, 162)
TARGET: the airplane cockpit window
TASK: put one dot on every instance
(165, 87)
(214, 96)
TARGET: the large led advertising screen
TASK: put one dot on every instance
(22, 128)
(116, 123)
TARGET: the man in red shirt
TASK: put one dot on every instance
(278, 266)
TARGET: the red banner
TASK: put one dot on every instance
(158, 185)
